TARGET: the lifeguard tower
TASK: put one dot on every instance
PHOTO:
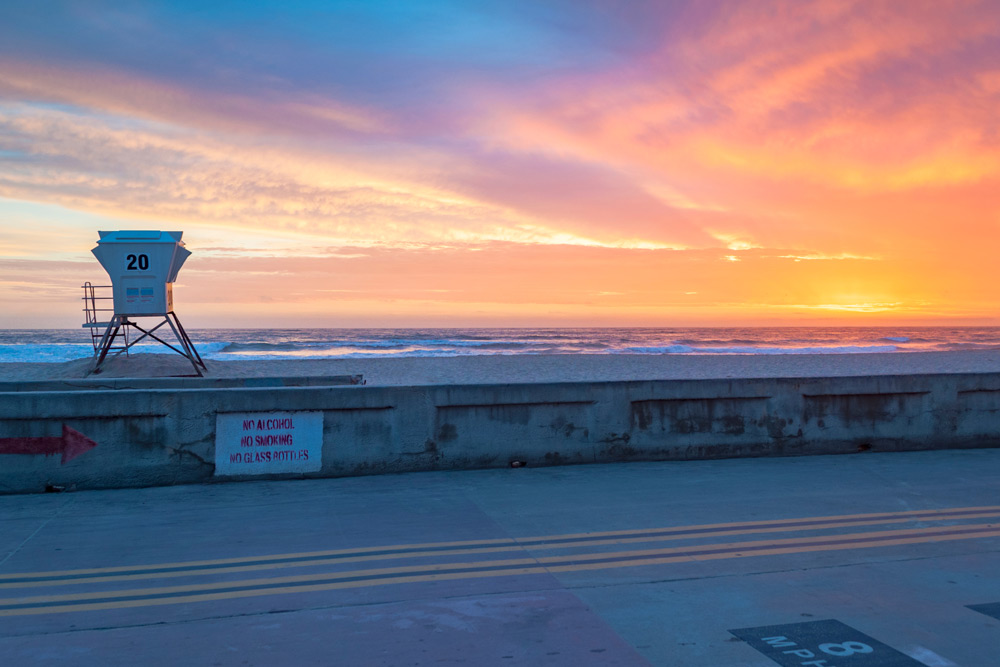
(143, 266)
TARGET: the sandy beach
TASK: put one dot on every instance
(514, 369)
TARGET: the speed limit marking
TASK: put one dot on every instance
(826, 643)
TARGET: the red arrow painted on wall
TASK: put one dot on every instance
(70, 444)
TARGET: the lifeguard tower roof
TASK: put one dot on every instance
(141, 235)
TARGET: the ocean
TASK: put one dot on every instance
(58, 345)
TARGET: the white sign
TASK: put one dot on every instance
(266, 443)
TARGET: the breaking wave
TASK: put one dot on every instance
(66, 345)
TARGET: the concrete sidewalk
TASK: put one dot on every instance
(867, 559)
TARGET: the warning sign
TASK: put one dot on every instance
(267, 443)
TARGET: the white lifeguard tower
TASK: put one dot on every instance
(143, 266)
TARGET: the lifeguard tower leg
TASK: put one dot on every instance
(185, 339)
(109, 336)
(187, 347)
(189, 351)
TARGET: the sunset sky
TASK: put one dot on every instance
(509, 163)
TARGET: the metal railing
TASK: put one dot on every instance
(98, 315)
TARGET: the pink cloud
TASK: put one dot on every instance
(768, 131)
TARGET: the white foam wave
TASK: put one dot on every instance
(57, 345)
(36, 353)
(685, 349)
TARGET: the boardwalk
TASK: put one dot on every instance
(888, 556)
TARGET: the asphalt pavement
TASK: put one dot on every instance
(858, 560)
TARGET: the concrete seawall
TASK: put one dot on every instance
(161, 434)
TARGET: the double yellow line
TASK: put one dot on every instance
(336, 578)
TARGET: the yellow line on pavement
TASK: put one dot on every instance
(887, 517)
(434, 549)
(474, 570)
(126, 604)
(887, 542)
(270, 581)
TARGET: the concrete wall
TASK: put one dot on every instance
(156, 436)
